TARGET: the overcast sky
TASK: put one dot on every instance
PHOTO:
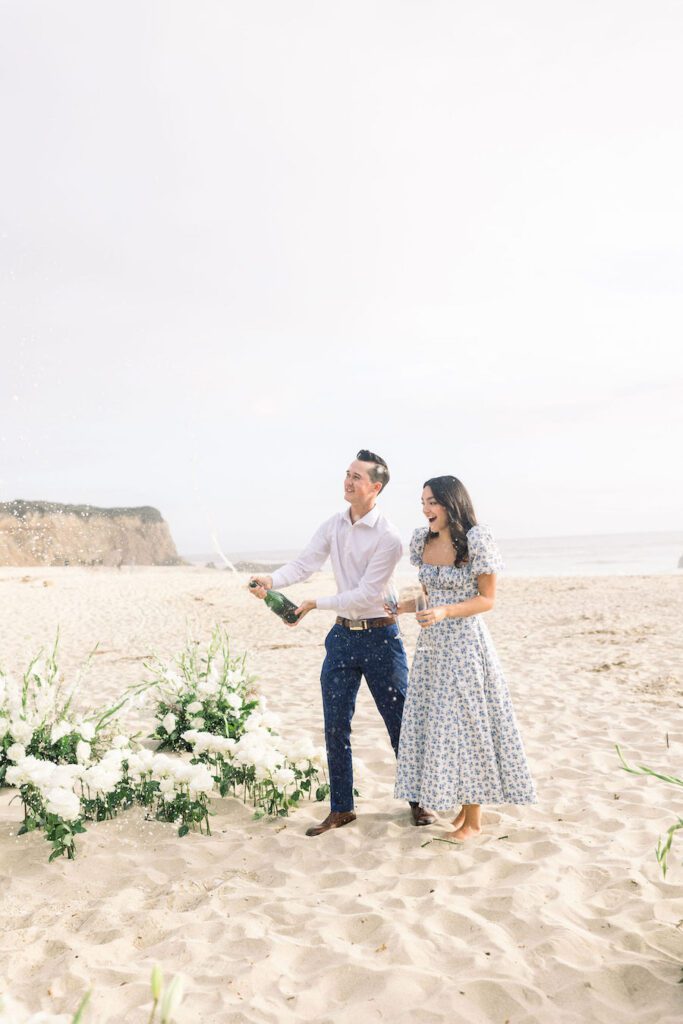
(239, 241)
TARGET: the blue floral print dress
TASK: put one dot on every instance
(459, 743)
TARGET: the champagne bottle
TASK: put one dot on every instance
(279, 604)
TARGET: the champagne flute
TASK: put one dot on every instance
(420, 602)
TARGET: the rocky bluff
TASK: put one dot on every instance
(45, 533)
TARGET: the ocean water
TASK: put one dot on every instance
(627, 554)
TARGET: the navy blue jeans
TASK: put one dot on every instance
(378, 655)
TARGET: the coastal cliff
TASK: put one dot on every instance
(45, 533)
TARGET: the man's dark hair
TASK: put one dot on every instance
(379, 471)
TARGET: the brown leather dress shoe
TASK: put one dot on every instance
(335, 819)
(420, 816)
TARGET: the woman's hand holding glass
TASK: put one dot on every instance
(428, 616)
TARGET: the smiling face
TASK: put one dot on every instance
(437, 515)
(359, 489)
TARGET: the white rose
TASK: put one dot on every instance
(86, 731)
(164, 766)
(209, 687)
(16, 752)
(61, 776)
(82, 751)
(302, 750)
(40, 773)
(283, 777)
(169, 722)
(100, 779)
(200, 780)
(21, 731)
(60, 730)
(197, 723)
(194, 707)
(234, 701)
(114, 758)
(14, 776)
(167, 786)
(63, 803)
(120, 741)
(253, 723)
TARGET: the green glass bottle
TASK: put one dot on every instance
(279, 604)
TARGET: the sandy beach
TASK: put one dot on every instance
(559, 913)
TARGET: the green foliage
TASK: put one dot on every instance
(213, 682)
(663, 844)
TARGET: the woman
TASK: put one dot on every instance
(460, 745)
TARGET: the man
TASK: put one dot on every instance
(364, 549)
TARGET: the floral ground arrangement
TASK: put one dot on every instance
(72, 767)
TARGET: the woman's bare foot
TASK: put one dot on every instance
(462, 834)
(459, 820)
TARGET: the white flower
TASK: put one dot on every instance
(21, 731)
(40, 773)
(197, 723)
(14, 776)
(86, 730)
(101, 778)
(234, 701)
(114, 758)
(283, 777)
(140, 763)
(225, 745)
(120, 741)
(301, 750)
(169, 722)
(59, 730)
(64, 803)
(16, 752)
(194, 707)
(253, 723)
(83, 751)
(63, 776)
(208, 687)
(200, 780)
(167, 786)
(165, 767)
(29, 769)
(4, 728)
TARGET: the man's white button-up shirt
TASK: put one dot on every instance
(364, 555)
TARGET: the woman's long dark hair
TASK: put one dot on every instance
(452, 494)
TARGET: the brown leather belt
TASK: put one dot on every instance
(355, 624)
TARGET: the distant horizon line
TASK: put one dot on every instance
(550, 536)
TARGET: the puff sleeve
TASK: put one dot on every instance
(417, 544)
(483, 551)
